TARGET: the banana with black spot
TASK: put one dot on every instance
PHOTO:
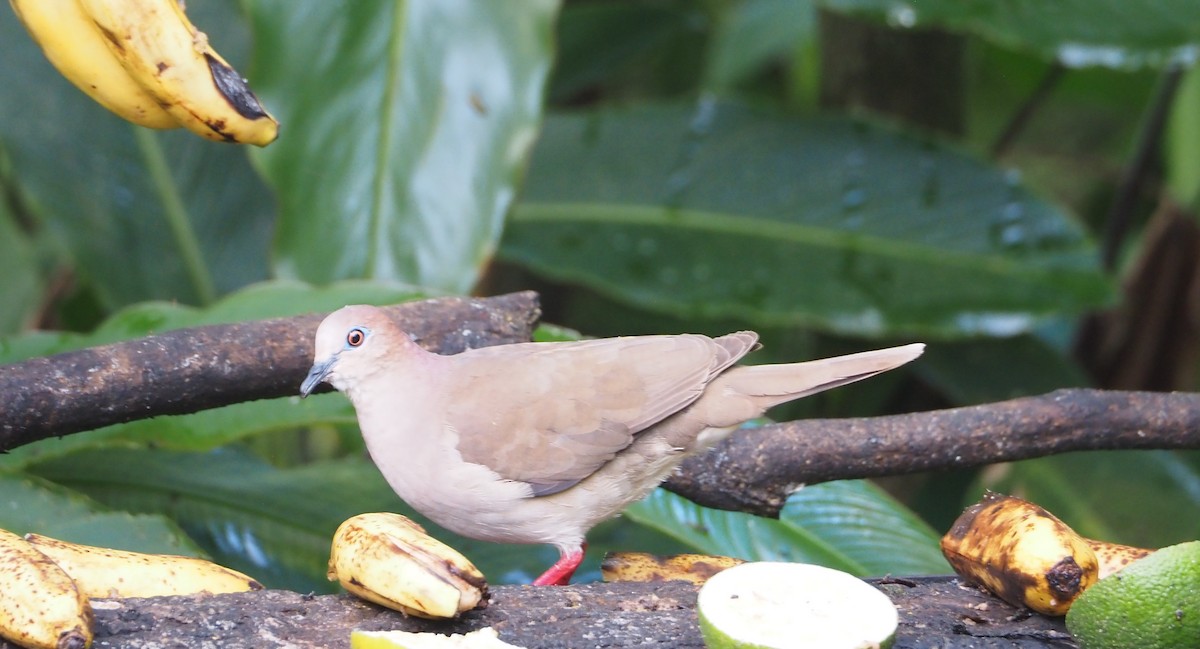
(172, 60)
(1022, 553)
(75, 46)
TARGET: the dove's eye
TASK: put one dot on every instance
(356, 337)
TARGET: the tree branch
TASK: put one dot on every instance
(188, 370)
(756, 470)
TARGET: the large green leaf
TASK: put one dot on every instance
(1146, 498)
(850, 525)
(721, 211)
(1116, 33)
(34, 505)
(405, 127)
(143, 214)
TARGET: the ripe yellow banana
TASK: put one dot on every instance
(390, 560)
(646, 567)
(40, 607)
(1022, 553)
(104, 572)
(167, 56)
(77, 49)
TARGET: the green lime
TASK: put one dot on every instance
(768, 605)
(1154, 603)
(480, 639)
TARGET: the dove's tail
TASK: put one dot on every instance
(759, 387)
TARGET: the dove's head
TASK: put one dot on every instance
(352, 342)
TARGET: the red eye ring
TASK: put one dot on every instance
(356, 337)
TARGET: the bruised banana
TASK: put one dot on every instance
(77, 48)
(1022, 553)
(390, 560)
(104, 572)
(646, 567)
(40, 607)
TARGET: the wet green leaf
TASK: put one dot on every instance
(722, 211)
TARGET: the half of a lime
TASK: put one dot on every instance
(770, 605)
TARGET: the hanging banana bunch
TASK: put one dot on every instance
(146, 62)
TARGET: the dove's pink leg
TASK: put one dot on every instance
(560, 573)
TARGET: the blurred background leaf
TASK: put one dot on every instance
(1078, 32)
(415, 120)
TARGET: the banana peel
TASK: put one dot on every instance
(390, 560)
(646, 567)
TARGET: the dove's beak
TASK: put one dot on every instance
(320, 370)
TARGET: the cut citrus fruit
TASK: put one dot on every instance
(768, 605)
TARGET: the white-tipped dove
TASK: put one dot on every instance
(539, 442)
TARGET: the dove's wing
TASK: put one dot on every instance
(551, 415)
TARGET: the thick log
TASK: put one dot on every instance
(937, 612)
